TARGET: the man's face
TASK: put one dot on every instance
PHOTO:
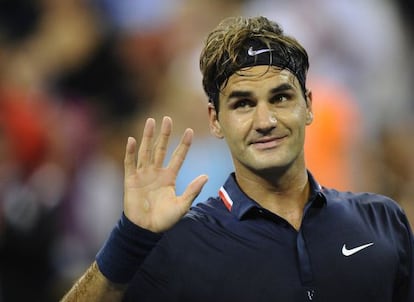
(249, 105)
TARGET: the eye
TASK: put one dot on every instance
(242, 104)
(280, 98)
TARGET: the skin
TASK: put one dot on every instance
(150, 200)
(267, 154)
(93, 286)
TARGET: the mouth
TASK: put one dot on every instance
(267, 142)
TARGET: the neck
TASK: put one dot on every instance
(283, 194)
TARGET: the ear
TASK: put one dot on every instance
(215, 127)
(309, 110)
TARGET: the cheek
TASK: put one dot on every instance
(299, 115)
(236, 127)
(299, 112)
(294, 121)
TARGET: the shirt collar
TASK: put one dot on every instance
(238, 203)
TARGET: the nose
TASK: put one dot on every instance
(264, 119)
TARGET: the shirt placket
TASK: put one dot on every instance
(305, 265)
(305, 268)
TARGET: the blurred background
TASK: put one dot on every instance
(77, 77)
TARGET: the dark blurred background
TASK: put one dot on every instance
(77, 77)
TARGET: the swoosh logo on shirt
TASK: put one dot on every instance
(251, 52)
(349, 252)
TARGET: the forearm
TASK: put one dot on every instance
(116, 263)
(94, 286)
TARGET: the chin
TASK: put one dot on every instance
(271, 169)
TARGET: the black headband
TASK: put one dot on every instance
(255, 53)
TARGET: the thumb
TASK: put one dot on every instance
(193, 189)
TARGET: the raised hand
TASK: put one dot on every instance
(150, 199)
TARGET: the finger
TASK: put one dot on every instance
(145, 148)
(129, 160)
(181, 151)
(192, 190)
(161, 145)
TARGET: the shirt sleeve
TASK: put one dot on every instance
(158, 278)
(405, 281)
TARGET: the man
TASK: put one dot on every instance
(273, 233)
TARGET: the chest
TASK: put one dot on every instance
(350, 261)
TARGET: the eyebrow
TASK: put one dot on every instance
(281, 88)
(239, 94)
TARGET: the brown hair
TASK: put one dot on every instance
(226, 51)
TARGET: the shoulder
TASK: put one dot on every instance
(204, 225)
(203, 216)
(363, 202)
(367, 198)
(212, 210)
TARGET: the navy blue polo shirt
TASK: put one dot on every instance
(350, 248)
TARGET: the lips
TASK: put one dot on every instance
(267, 142)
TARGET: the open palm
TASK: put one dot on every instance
(150, 199)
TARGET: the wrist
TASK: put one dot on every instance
(125, 250)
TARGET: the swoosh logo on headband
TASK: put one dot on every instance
(251, 52)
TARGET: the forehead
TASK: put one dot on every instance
(258, 78)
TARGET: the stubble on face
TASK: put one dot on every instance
(256, 146)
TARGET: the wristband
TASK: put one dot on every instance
(125, 250)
